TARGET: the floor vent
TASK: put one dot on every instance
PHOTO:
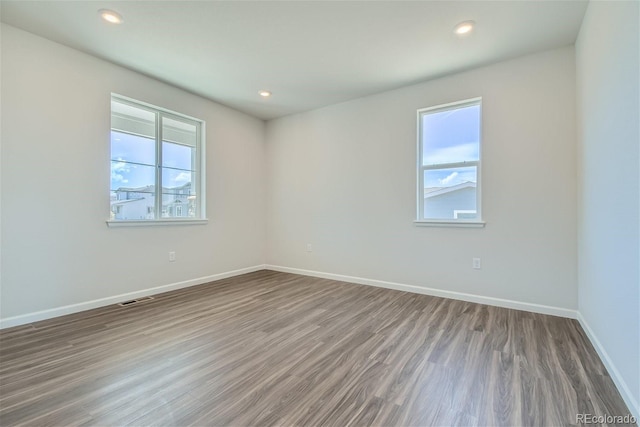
(134, 301)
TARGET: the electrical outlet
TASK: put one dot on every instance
(476, 264)
(309, 248)
(172, 256)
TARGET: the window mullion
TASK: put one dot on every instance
(464, 164)
(200, 186)
(447, 133)
(421, 190)
(158, 205)
(195, 179)
(144, 155)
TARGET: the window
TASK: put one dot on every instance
(449, 164)
(156, 163)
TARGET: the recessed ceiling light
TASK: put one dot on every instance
(464, 28)
(110, 16)
(265, 93)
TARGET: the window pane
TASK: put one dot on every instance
(175, 181)
(451, 136)
(132, 148)
(178, 207)
(133, 120)
(450, 193)
(175, 206)
(179, 132)
(154, 153)
(132, 191)
(178, 172)
(178, 156)
(131, 175)
(178, 194)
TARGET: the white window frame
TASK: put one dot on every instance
(420, 219)
(200, 172)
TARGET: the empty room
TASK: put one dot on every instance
(371, 213)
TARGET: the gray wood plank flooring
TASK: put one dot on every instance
(271, 348)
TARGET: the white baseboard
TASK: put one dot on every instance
(101, 302)
(499, 302)
(632, 404)
(619, 381)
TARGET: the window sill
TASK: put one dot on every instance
(155, 222)
(445, 223)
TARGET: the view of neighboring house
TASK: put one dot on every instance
(138, 203)
(455, 202)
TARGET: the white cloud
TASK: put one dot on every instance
(448, 179)
(183, 177)
(119, 167)
(116, 177)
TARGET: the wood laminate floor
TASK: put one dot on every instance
(271, 348)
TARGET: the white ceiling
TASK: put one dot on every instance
(308, 53)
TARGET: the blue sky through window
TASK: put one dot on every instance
(449, 177)
(176, 156)
(133, 162)
(132, 148)
(451, 136)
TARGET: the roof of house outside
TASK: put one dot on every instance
(438, 191)
(150, 188)
(122, 202)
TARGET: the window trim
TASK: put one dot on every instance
(154, 222)
(420, 168)
(200, 179)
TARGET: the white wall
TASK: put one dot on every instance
(343, 178)
(609, 192)
(56, 247)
